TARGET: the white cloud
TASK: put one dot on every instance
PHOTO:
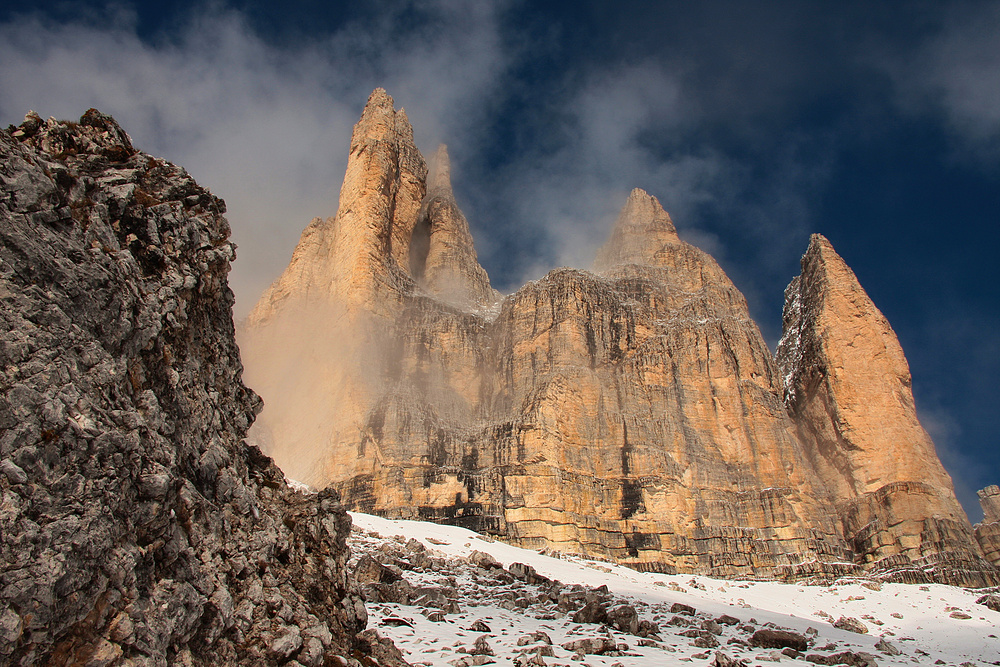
(957, 74)
(610, 126)
(266, 128)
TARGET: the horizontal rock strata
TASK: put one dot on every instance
(988, 531)
(847, 385)
(633, 412)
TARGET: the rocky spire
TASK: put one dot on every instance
(641, 234)
(847, 384)
(365, 248)
(442, 256)
(439, 178)
(989, 500)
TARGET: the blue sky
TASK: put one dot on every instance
(755, 123)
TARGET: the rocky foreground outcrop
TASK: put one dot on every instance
(633, 412)
(136, 526)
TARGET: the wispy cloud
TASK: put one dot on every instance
(956, 73)
(265, 127)
(611, 125)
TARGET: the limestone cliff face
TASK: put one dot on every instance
(645, 420)
(633, 412)
(363, 344)
(988, 531)
(136, 526)
(847, 385)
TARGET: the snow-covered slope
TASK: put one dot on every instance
(925, 624)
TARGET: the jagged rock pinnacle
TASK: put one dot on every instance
(847, 384)
(988, 531)
(644, 210)
(439, 180)
(442, 255)
(989, 500)
(636, 415)
(361, 254)
(641, 233)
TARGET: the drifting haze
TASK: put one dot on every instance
(265, 127)
(755, 125)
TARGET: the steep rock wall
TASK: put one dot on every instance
(634, 412)
(136, 526)
(847, 385)
(988, 531)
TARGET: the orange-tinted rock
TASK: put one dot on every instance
(635, 413)
(442, 257)
(989, 500)
(329, 344)
(847, 385)
(988, 532)
(643, 234)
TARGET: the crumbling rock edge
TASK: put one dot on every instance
(136, 526)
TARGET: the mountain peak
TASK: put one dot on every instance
(641, 232)
(378, 100)
(439, 180)
(847, 383)
(644, 210)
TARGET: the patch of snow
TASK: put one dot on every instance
(300, 487)
(916, 620)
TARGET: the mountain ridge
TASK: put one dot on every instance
(635, 413)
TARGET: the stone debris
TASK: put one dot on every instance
(859, 659)
(990, 601)
(851, 624)
(629, 629)
(768, 638)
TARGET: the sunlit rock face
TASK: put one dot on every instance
(136, 526)
(988, 531)
(847, 385)
(631, 412)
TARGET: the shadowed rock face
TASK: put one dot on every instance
(136, 526)
(633, 413)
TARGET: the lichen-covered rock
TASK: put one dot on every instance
(136, 526)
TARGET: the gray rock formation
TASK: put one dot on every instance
(136, 526)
